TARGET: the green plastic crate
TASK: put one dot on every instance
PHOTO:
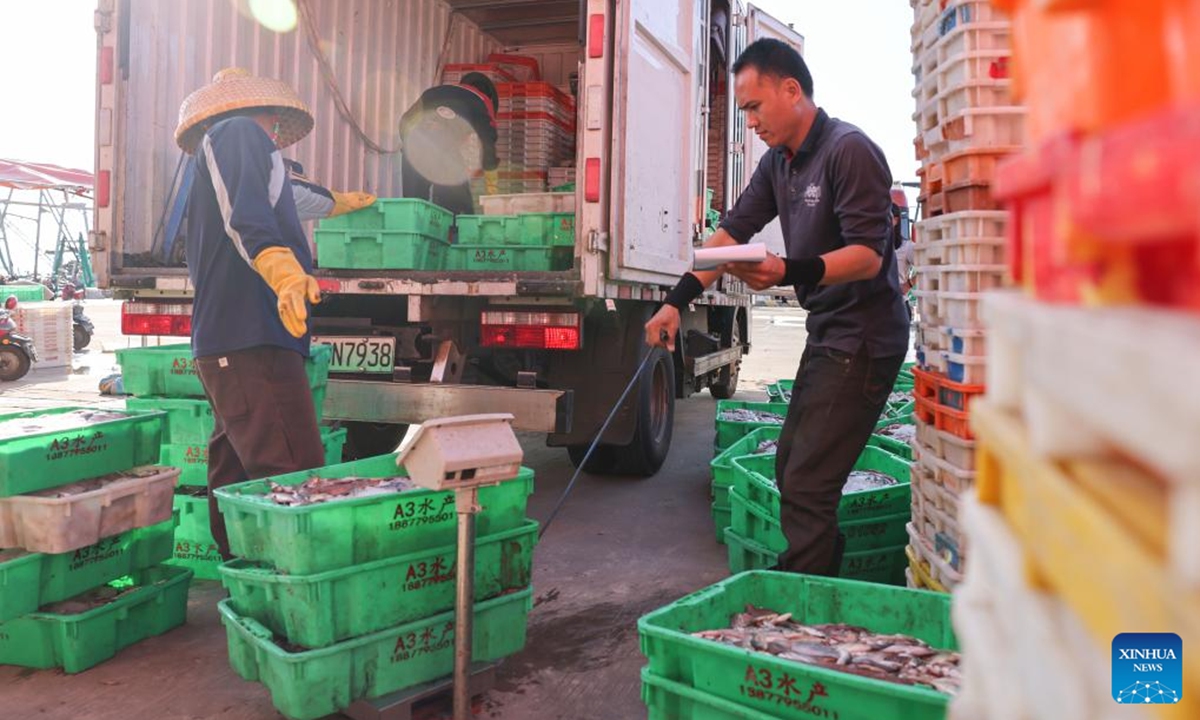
(47, 459)
(762, 491)
(194, 547)
(776, 390)
(313, 684)
(755, 523)
(721, 518)
(724, 671)
(30, 580)
(490, 230)
(899, 449)
(555, 229)
(723, 469)
(24, 293)
(169, 370)
(403, 215)
(669, 700)
(379, 250)
(187, 420)
(315, 611)
(310, 539)
(884, 566)
(510, 258)
(729, 431)
(192, 458)
(78, 642)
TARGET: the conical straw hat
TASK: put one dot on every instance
(236, 89)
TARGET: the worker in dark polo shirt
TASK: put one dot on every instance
(829, 185)
(251, 266)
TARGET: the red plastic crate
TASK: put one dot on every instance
(536, 90)
(522, 67)
(925, 384)
(1066, 53)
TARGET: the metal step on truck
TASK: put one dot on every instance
(655, 128)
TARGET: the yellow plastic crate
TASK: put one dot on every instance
(1098, 560)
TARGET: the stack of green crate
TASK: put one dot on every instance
(74, 593)
(164, 379)
(873, 521)
(390, 234)
(531, 242)
(692, 677)
(348, 599)
(24, 293)
(723, 471)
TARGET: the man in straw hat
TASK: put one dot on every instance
(251, 265)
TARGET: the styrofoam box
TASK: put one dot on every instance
(959, 310)
(966, 68)
(547, 202)
(965, 341)
(973, 37)
(978, 251)
(969, 369)
(975, 94)
(50, 324)
(71, 517)
(971, 278)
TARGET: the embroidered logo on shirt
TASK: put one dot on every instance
(812, 196)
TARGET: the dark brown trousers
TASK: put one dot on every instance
(265, 421)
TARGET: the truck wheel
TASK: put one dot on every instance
(82, 337)
(726, 385)
(602, 461)
(13, 364)
(365, 439)
(655, 419)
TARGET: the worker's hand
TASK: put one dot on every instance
(662, 328)
(350, 201)
(759, 275)
(292, 286)
(491, 181)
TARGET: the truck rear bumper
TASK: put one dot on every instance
(546, 411)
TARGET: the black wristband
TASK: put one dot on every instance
(807, 272)
(685, 291)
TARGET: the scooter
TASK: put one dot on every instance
(16, 351)
(81, 326)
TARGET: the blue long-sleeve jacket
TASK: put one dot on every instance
(240, 204)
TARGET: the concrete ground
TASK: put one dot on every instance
(619, 548)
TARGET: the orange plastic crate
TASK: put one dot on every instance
(1066, 54)
(925, 384)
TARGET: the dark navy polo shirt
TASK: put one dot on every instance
(835, 191)
(240, 204)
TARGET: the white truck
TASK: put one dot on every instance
(656, 126)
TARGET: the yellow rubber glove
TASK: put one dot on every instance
(350, 201)
(279, 267)
(491, 180)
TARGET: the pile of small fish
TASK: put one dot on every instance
(766, 446)
(86, 486)
(786, 396)
(89, 600)
(899, 431)
(751, 416)
(899, 398)
(319, 490)
(860, 480)
(55, 422)
(844, 648)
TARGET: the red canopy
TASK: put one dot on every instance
(42, 176)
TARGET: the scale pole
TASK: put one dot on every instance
(464, 606)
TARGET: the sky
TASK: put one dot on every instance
(858, 51)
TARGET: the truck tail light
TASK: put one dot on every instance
(103, 188)
(104, 67)
(596, 35)
(139, 318)
(591, 180)
(532, 330)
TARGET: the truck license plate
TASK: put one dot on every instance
(361, 354)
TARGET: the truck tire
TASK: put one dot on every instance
(366, 439)
(602, 461)
(655, 419)
(13, 364)
(727, 383)
(81, 337)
